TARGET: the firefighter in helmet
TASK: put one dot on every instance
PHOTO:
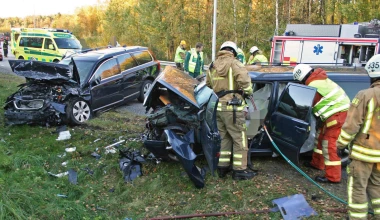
(330, 106)
(361, 133)
(230, 81)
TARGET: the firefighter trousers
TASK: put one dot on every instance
(325, 156)
(234, 147)
(363, 179)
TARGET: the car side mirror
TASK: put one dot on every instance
(51, 47)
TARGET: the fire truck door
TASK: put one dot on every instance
(320, 52)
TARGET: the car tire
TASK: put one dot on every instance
(21, 58)
(144, 89)
(78, 111)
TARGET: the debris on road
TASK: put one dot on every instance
(96, 155)
(62, 196)
(73, 176)
(64, 163)
(111, 149)
(59, 175)
(293, 207)
(130, 164)
(70, 149)
(64, 135)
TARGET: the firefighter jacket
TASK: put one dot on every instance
(228, 73)
(179, 55)
(362, 126)
(333, 98)
(194, 61)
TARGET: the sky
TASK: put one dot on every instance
(22, 8)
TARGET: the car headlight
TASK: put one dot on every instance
(34, 104)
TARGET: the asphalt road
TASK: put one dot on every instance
(4, 65)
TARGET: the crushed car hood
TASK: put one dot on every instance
(36, 70)
(176, 81)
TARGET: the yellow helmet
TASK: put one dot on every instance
(183, 42)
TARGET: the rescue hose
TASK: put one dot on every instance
(303, 173)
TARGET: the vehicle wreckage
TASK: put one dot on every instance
(182, 123)
(43, 99)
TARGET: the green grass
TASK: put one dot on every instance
(27, 153)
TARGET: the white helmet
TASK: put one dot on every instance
(300, 71)
(373, 66)
(253, 49)
(231, 45)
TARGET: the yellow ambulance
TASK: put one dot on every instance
(42, 44)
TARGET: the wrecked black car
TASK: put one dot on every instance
(182, 122)
(72, 91)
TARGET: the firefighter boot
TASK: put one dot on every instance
(222, 171)
(243, 174)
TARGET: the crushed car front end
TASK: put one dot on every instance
(42, 99)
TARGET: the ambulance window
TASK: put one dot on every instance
(47, 43)
(126, 62)
(35, 42)
(142, 57)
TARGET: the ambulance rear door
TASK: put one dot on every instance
(320, 52)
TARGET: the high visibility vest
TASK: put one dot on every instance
(193, 60)
(334, 99)
(259, 58)
(177, 57)
(240, 56)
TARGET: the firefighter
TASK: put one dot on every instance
(257, 57)
(180, 55)
(361, 133)
(5, 47)
(230, 80)
(240, 56)
(194, 61)
(330, 106)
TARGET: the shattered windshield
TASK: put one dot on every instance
(84, 67)
(67, 43)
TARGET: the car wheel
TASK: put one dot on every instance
(144, 89)
(78, 111)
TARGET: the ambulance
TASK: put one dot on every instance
(335, 45)
(42, 44)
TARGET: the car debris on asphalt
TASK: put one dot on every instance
(130, 164)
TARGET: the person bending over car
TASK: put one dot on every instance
(330, 106)
(229, 79)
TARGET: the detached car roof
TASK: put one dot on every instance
(94, 55)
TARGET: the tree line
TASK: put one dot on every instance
(162, 24)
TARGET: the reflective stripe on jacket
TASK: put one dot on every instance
(334, 99)
(360, 131)
(178, 57)
(193, 61)
(226, 74)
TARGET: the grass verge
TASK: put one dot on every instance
(27, 153)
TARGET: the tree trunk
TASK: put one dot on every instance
(276, 31)
(235, 20)
(244, 42)
(289, 6)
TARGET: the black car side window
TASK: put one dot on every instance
(142, 57)
(296, 102)
(108, 69)
(126, 62)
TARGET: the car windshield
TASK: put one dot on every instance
(67, 43)
(84, 67)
